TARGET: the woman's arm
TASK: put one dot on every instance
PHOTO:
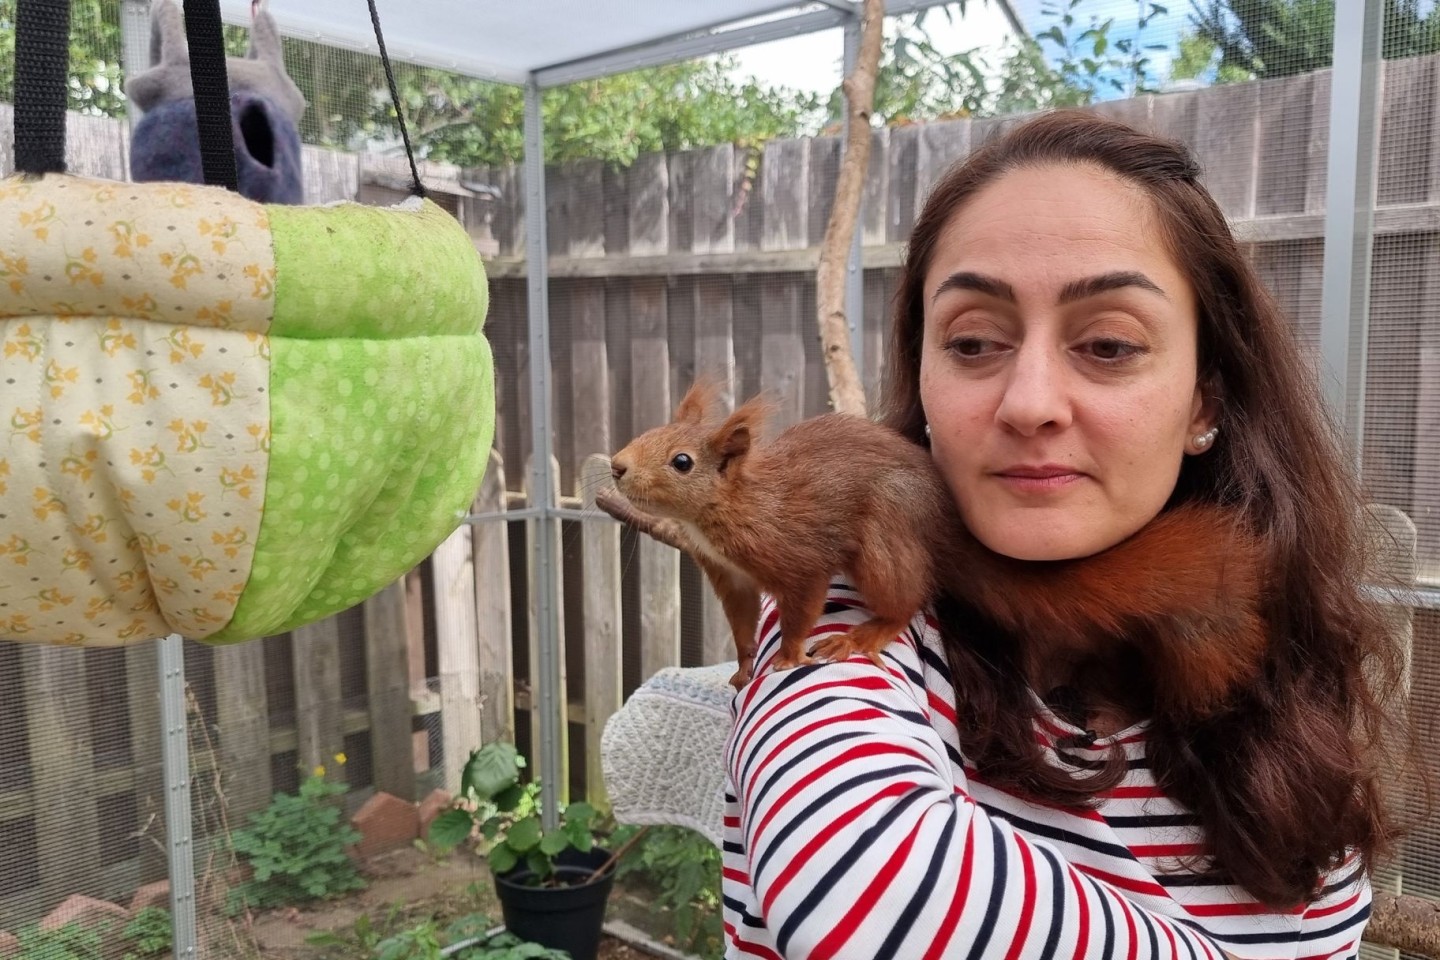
(860, 844)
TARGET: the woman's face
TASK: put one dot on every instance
(1058, 372)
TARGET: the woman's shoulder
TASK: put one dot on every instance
(914, 658)
(845, 608)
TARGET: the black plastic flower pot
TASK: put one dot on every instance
(568, 917)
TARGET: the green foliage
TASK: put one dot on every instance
(95, 74)
(426, 940)
(1280, 38)
(507, 814)
(149, 934)
(296, 847)
(1089, 58)
(683, 866)
(70, 942)
(507, 946)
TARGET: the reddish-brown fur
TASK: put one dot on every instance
(838, 493)
(829, 494)
(1185, 591)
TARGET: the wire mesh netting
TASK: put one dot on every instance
(684, 208)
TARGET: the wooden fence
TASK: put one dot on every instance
(698, 261)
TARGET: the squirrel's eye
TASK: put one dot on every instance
(682, 462)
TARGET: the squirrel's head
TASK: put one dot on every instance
(684, 467)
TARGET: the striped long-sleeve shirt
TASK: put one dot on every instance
(855, 828)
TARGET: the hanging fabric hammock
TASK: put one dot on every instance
(221, 418)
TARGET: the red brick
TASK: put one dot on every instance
(9, 945)
(155, 894)
(385, 822)
(431, 807)
(87, 912)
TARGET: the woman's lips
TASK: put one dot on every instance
(1038, 478)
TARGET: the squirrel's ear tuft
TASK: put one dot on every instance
(740, 430)
(696, 403)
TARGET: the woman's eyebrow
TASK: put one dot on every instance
(1090, 286)
(965, 280)
(1072, 291)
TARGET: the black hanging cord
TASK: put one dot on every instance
(416, 187)
(42, 57)
(206, 39)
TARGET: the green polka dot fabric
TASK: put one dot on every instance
(373, 458)
(366, 272)
(382, 412)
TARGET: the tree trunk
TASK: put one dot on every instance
(847, 394)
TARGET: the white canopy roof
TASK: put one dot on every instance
(555, 41)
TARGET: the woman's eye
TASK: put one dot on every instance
(969, 346)
(1111, 350)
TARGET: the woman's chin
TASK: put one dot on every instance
(1035, 539)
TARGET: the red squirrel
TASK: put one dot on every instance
(827, 494)
(839, 493)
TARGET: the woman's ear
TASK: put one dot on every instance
(1205, 411)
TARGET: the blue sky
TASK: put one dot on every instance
(813, 62)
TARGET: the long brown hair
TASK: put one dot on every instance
(1287, 779)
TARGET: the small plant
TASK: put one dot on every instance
(424, 940)
(507, 946)
(148, 934)
(70, 942)
(507, 814)
(683, 867)
(296, 847)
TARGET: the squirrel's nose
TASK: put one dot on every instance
(617, 470)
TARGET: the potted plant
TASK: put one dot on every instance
(552, 884)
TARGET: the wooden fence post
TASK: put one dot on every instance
(319, 718)
(490, 546)
(387, 683)
(603, 691)
(459, 652)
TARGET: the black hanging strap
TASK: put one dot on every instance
(204, 35)
(416, 187)
(42, 56)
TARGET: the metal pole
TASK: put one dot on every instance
(1350, 212)
(546, 587)
(854, 268)
(175, 747)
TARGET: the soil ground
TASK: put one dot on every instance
(403, 888)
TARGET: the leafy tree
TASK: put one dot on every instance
(95, 76)
(1280, 38)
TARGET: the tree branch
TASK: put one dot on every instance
(1409, 924)
(847, 394)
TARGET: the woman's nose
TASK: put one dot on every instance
(1035, 395)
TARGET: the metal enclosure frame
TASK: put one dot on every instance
(1348, 215)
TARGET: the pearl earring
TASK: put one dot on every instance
(927, 431)
(1204, 440)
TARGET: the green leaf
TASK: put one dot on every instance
(579, 811)
(451, 828)
(503, 859)
(554, 842)
(524, 835)
(580, 837)
(509, 798)
(491, 769)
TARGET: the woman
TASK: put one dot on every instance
(1083, 346)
